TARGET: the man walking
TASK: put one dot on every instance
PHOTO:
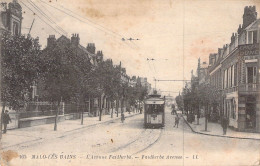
(122, 117)
(224, 125)
(6, 120)
(176, 121)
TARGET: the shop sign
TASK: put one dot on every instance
(248, 49)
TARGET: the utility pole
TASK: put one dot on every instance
(155, 84)
(31, 26)
(198, 72)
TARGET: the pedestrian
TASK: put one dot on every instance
(224, 125)
(141, 110)
(122, 117)
(6, 120)
(192, 117)
(176, 121)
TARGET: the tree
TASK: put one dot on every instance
(208, 95)
(61, 76)
(179, 102)
(19, 69)
(109, 81)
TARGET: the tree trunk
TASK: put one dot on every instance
(122, 105)
(1, 123)
(198, 116)
(56, 117)
(139, 106)
(112, 111)
(82, 117)
(206, 118)
(108, 103)
(117, 105)
(89, 106)
(100, 109)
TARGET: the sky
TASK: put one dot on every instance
(175, 33)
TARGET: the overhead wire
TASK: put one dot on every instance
(105, 30)
(117, 34)
(41, 18)
(47, 10)
(46, 16)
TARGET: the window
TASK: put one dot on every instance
(15, 28)
(231, 76)
(224, 79)
(235, 75)
(251, 75)
(251, 37)
(254, 36)
(227, 84)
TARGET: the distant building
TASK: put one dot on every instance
(144, 83)
(133, 81)
(202, 72)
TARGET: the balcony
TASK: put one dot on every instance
(248, 88)
(231, 89)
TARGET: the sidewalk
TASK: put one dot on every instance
(215, 129)
(43, 132)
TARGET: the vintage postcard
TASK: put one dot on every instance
(130, 82)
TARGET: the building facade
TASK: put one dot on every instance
(11, 17)
(234, 71)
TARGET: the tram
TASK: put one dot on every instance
(154, 111)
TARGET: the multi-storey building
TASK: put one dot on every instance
(234, 71)
(144, 83)
(11, 17)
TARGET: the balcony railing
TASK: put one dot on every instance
(248, 87)
(243, 88)
(231, 89)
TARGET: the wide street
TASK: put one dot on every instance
(129, 143)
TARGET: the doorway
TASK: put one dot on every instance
(251, 115)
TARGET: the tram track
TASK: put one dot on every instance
(131, 142)
(142, 142)
(150, 145)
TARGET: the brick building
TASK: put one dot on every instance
(233, 70)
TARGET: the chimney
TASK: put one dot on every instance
(249, 16)
(233, 38)
(51, 41)
(75, 40)
(220, 50)
(212, 59)
(239, 30)
(99, 56)
(91, 48)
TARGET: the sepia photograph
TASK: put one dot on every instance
(130, 82)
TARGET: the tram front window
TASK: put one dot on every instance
(154, 108)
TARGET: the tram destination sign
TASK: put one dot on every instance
(248, 49)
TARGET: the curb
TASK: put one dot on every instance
(196, 132)
(102, 122)
(66, 133)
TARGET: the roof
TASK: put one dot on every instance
(80, 48)
(253, 26)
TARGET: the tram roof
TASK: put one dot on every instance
(154, 101)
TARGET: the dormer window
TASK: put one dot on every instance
(251, 37)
